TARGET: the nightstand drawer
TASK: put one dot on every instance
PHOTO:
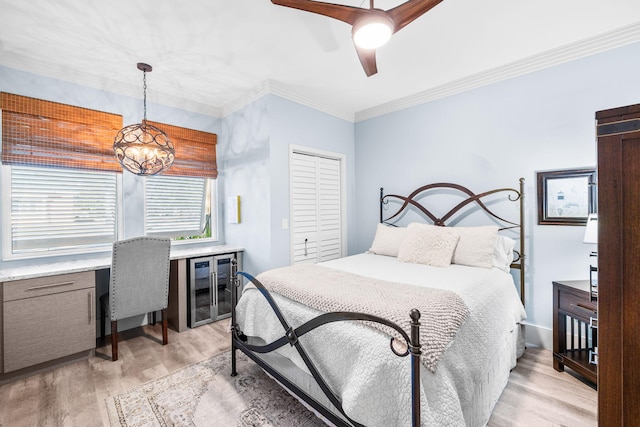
(577, 306)
(575, 333)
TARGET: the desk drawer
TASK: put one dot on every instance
(39, 286)
(577, 306)
(48, 327)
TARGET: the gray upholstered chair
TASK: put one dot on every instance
(139, 283)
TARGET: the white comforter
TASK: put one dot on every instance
(373, 383)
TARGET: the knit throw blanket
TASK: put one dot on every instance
(326, 289)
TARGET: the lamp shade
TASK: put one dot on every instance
(591, 231)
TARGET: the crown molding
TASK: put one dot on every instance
(272, 87)
(98, 82)
(590, 46)
(290, 93)
(253, 94)
(593, 45)
(583, 48)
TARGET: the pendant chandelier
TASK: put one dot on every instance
(143, 149)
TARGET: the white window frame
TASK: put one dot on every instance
(213, 219)
(5, 219)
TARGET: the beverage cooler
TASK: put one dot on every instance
(210, 288)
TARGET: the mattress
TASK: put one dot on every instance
(372, 382)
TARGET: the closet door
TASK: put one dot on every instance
(315, 208)
(304, 208)
(329, 219)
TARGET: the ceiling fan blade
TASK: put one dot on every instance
(409, 11)
(368, 60)
(340, 12)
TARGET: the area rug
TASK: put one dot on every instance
(204, 395)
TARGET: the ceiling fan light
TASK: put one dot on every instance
(372, 31)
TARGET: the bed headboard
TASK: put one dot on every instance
(468, 199)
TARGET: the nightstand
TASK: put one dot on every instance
(575, 322)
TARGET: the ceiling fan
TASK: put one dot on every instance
(372, 27)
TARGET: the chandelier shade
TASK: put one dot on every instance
(143, 149)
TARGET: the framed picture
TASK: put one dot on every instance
(566, 197)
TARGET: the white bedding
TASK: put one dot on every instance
(373, 383)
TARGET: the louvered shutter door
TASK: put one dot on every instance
(315, 201)
(329, 233)
(304, 199)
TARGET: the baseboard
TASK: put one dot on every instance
(45, 366)
(538, 336)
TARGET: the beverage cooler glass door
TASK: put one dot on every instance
(210, 289)
(201, 295)
(223, 288)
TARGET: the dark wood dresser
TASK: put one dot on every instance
(618, 157)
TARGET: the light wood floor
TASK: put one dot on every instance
(73, 395)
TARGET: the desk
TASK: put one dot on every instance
(51, 280)
(178, 252)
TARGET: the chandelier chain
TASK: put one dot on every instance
(144, 87)
(141, 148)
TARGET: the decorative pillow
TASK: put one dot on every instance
(503, 253)
(387, 240)
(428, 244)
(476, 245)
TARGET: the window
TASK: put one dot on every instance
(61, 189)
(180, 207)
(50, 211)
(181, 202)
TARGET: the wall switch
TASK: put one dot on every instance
(285, 224)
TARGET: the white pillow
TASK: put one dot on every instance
(387, 240)
(476, 246)
(503, 253)
(428, 244)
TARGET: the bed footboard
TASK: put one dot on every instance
(291, 335)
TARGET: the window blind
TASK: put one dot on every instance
(57, 209)
(195, 151)
(44, 133)
(175, 206)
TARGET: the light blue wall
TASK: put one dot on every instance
(36, 86)
(484, 138)
(488, 138)
(294, 124)
(245, 143)
(256, 141)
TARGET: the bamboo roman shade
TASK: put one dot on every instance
(44, 133)
(195, 151)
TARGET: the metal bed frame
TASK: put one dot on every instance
(291, 335)
(513, 195)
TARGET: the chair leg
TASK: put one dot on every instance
(165, 335)
(114, 340)
(154, 318)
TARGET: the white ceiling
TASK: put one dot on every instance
(213, 55)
